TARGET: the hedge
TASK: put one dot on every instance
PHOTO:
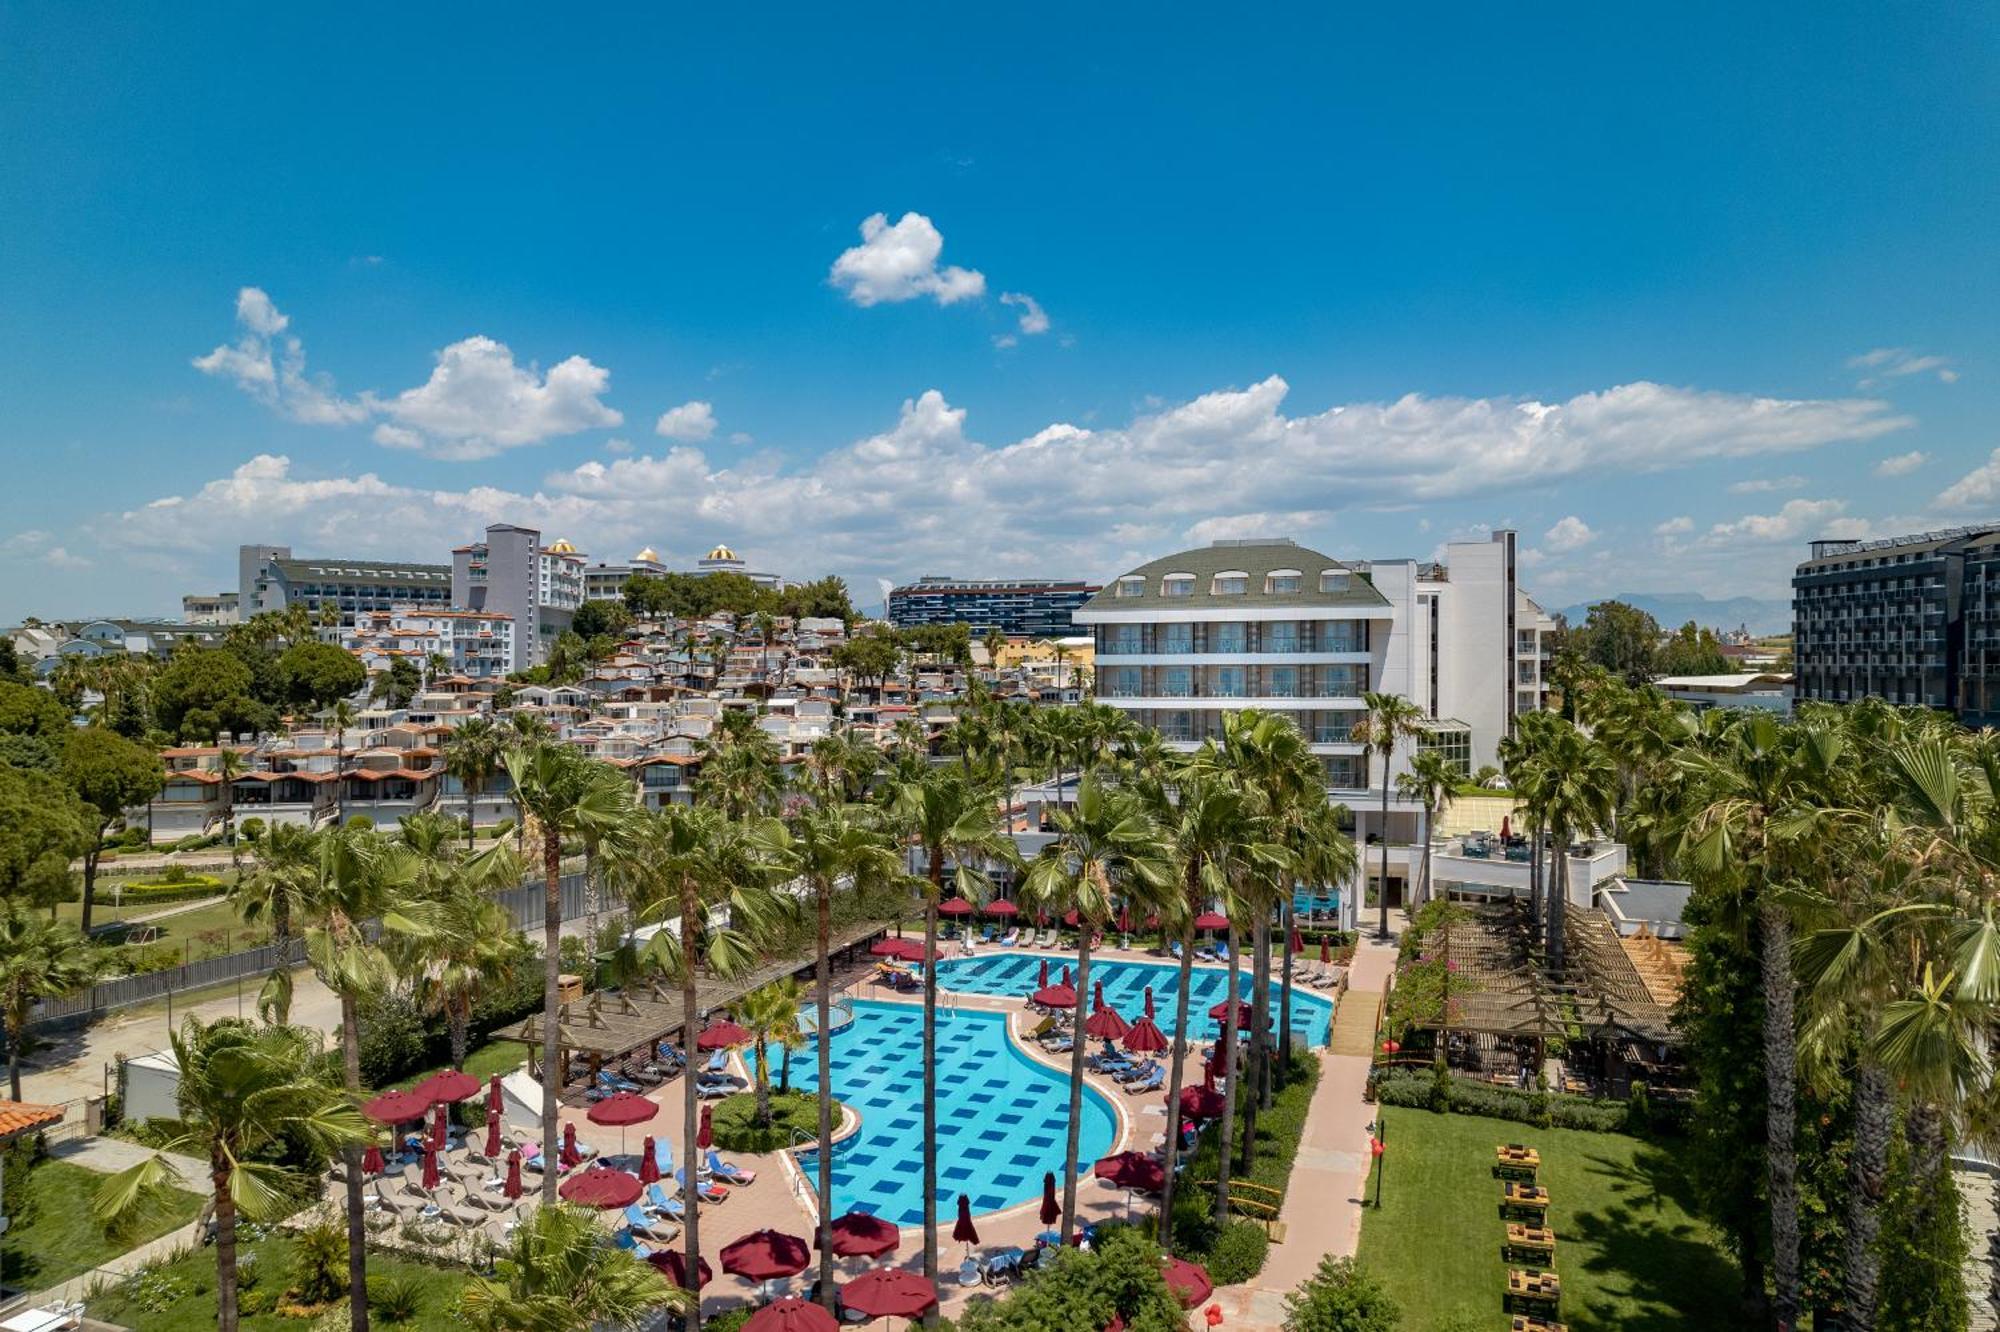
(1197, 1237)
(1426, 1091)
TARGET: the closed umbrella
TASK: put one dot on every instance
(512, 1188)
(673, 1265)
(965, 1232)
(1149, 1003)
(430, 1168)
(601, 1186)
(888, 1292)
(704, 1136)
(1188, 1281)
(495, 1103)
(1042, 974)
(371, 1160)
(570, 1155)
(859, 1235)
(649, 1164)
(1298, 944)
(492, 1133)
(791, 1315)
(1051, 1209)
(1325, 951)
(1065, 975)
(440, 1128)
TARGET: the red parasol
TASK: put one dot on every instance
(448, 1086)
(622, 1108)
(673, 1265)
(649, 1163)
(965, 1232)
(766, 1255)
(903, 950)
(1211, 920)
(1051, 1209)
(1213, 1066)
(1298, 944)
(1150, 1015)
(859, 1235)
(1065, 974)
(954, 906)
(1505, 827)
(790, 1315)
(1105, 1022)
(570, 1155)
(495, 1103)
(440, 1128)
(492, 1134)
(1000, 906)
(430, 1168)
(1133, 1170)
(1201, 1102)
(1325, 951)
(601, 1186)
(371, 1160)
(1188, 1281)
(512, 1188)
(1072, 920)
(888, 1292)
(1124, 920)
(721, 1034)
(1246, 1015)
(704, 1136)
(1055, 996)
(1042, 975)
(397, 1107)
(1144, 1037)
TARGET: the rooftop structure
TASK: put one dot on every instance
(1016, 607)
(270, 578)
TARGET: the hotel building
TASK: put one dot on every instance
(472, 643)
(512, 574)
(269, 578)
(1018, 608)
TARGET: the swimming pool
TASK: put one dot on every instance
(1010, 975)
(1003, 1119)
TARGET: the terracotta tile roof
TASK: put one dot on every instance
(18, 1117)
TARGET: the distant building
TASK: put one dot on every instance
(209, 608)
(1913, 620)
(270, 578)
(138, 637)
(724, 560)
(475, 644)
(1018, 608)
(511, 573)
(606, 582)
(1764, 691)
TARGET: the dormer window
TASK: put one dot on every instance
(1283, 580)
(1177, 585)
(1232, 584)
(1130, 587)
(1333, 580)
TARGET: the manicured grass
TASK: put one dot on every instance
(481, 1061)
(55, 1235)
(734, 1121)
(1631, 1255)
(180, 1296)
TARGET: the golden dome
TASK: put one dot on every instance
(647, 556)
(722, 553)
(562, 547)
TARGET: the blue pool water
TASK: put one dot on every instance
(1003, 1119)
(1012, 975)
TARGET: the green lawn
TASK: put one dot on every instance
(54, 1235)
(180, 1296)
(1631, 1255)
(481, 1061)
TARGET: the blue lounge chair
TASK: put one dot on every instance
(709, 1191)
(1010, 938)
(1221, 950)
(659, 1200)
(1152, 1082)
(611, 1082)
(728, 1171)
(625, 1239)
(1139, 1073)
(1174, 947)
(717, 1062)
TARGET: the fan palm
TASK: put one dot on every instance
(770, 1013)
(39, 959)
(1106, 846)
(469, 945)
(472, 755)
(560, 1276)
(280, 881)
(243, 1092)
(340, 720)
(1390, 719)
(1428, 784)
(230, 764)
(1579, 789)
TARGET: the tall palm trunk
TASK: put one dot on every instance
(690, 1111)
(458, 1019)
(1874, 1124)
(1781, 1155)
(552, 1071)
(1425, 878)
(930, 1075)
(590, 909)
(1286, 921)
(1261, 1039)
(1225, 1145)
(823, 999)
(1535, 883)
(1558, 896)
(1079, 1047)
(16, 1025)
(357, 1231)
(471, 809)
(225, 1240)
(1382, 833)
(1175, 1074)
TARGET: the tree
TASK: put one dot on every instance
(42, 827)
(1691, 650)
(1578, 787)
(868, 656)
(948, 819)
(770, 1013)
(284, 869)
(1429, 783)
(560, 1275)
(1341, 1297)
(599, 619)
(315, 675)
(470, 945)
(26, 710)
(203, 691)
(230, 764)
(397, 685)
(472, 754)
(340, 720)
(1622, 639)
(1389, 720)
(244, 1093)
(39, 959)
(1105, 846)
(110, 775)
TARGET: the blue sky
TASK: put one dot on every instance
(1670, 292)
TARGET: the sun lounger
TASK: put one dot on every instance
(642, 1226)
(717, 1063)
(1010, 938)
(666, 1204)
(1152, 1082)
(1140, 1072)
(611, 1082)
(728, 1171)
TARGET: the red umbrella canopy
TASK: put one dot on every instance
(889, 947)
(622, 1108)
(1133, 1170)
(888, 1292)
(1071, 919)
(1210, 920)
(720, 1035)
(512, 1188)
(1000, 906)
(1144, 1037)
(673, 1265)
(954, 906)
(766, 1255)
(1213, 1066)
(397, 1107)
(1051, 1209)
(601, 1186)
(965, 1232)
(859, 1235)
(1246, 1015)
(1201, 1102)
(649, 1163)
(1106, 1022)
(1055, 996)
(450, 1085)
(1188, 1281)
(704, 1136)
(790, 1315)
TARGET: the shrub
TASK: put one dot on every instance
(730, 1321)
(396, 1298)
(1077, 1290)
(1419, 1091)
(360, 822)
(1340, 1297)
(174, 874)
(395, 1041)
(734, 1121)
(319, 1264)
(1238, 1253)
(251, 829)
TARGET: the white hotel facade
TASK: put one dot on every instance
(1274, 626)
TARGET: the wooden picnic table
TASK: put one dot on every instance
(1530, 1323)
(1537, 1241)
(1532, 1197)
(1533, 1287)
(1523, 1161)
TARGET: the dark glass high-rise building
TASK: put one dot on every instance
(1019, 608)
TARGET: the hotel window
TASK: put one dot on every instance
(1228, 637)
(1339, 682)
(1343, 636)
(1332, 728)
(1230, 584)
(1346, 772)
(1177, 585)
(1455, 743)
(1130, 587)
(1123, 682)
(1281, 681)
(1333, 580)
(1281, 636)
(1174, 637)
(1177, 682)
(1228, 682)
(1176, 725)
(1121, 638)
(1283, 580)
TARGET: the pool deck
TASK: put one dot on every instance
(1332, 1161)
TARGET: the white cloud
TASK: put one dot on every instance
(1005, 340)
(900, 263)
(1676, 526)
(1977, 489)
(1902, 464)
(1033, 319)
(1886, 363)
(62, 559)
(1570, 533)
(1766, 485)
(689, 421)
(925, 494)
(40, 546)
(619, 446)
(476, 402)
(1798, 520)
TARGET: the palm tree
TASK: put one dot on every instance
(739, 771)
(1389, 720)
(339, 720)
(39, 959)
(472, 755)
(1429, 782)
(770, 1013)
(612, 833)
(698, 870)
(229, 765)
(562, 791)
(1522, 757)
(470, 944)
(278, 885)
(559, 1275)
(825, 848)
(948, 818)
(1107, 846)
(1579, 788)
(243, 1092)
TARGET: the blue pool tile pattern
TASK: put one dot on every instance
(1002, 1118)
(1009, 974)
